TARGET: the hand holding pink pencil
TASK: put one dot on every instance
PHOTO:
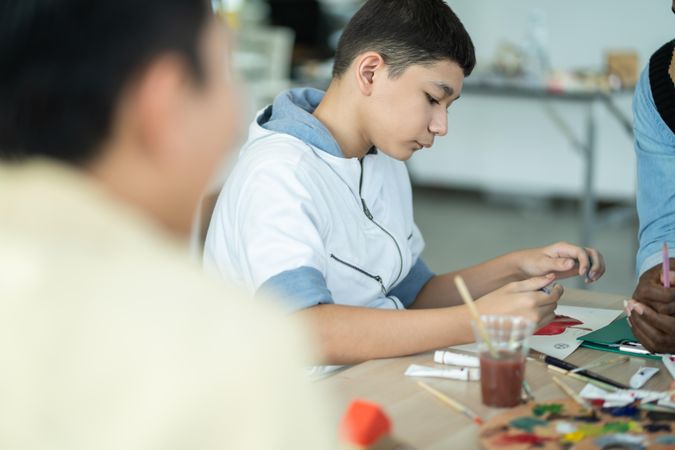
(665, 267)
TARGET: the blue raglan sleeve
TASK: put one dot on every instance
(406, 291)
(655, 154)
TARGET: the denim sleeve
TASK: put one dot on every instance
(655, 154)
(298, 288)
(412, 284)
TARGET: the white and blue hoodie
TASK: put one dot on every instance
(299, 219)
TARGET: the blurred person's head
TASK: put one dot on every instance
(406, 60)
(136, 93)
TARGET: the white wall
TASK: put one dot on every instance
(510, 145)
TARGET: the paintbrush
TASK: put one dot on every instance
(607, 362)
(564, 365)
(529, 396)
(466, 296)
(452, 403)
(568, 390)
(583, 378)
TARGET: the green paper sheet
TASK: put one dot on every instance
(611, 336)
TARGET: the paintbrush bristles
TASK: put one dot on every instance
(466, 296)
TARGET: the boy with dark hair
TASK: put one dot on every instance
(319, 205)
(113, 115)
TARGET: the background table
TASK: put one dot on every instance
(426, 423)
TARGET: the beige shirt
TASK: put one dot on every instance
(110, 339)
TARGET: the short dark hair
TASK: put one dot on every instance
(64, 64)
(405, 32)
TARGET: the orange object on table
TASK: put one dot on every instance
(364, 424)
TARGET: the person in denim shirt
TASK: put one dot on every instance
(654, 115)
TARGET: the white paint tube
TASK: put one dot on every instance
(460, 373)
(455, 359)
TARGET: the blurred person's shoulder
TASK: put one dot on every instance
(137, 334)
(62, 231)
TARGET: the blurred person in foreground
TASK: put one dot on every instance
(113, 116)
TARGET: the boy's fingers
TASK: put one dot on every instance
(584, 262)
(546, 319)
(597, 268)
(563, 264)
(533, 284)
(547, 300)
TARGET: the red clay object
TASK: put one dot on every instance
(364, 423)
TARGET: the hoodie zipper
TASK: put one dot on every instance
(369, 215)
(358, 269)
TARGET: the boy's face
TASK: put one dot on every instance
(408, 112)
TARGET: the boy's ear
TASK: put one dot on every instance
(368, 66)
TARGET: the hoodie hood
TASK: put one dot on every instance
(291, 113)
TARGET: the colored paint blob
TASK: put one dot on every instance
(665, 440)
(527, 424)
(574, 437)
(565, 427)
(522, 438)
(602, 429)
(657, 427)
(551, 408)
(591, 418)
(623, 441)
(623, 411)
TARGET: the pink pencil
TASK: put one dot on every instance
(665, 268)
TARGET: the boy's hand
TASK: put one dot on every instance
(523, 298)
(651, 292)
(654, 330)
(562, 259)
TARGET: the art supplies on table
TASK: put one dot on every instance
(529, 395)
(457, 373)
(559, 338)
(567, 369)
(626, 397)
(617, 337)
(570, 393)
(454, 404)
(502, 374)
(669, 362)
(365, 426)
(564, 424)
(602, 363)
(455, 359)
(641, 377)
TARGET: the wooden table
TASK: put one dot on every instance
(425, 423)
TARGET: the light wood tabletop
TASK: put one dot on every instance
(425, 423)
